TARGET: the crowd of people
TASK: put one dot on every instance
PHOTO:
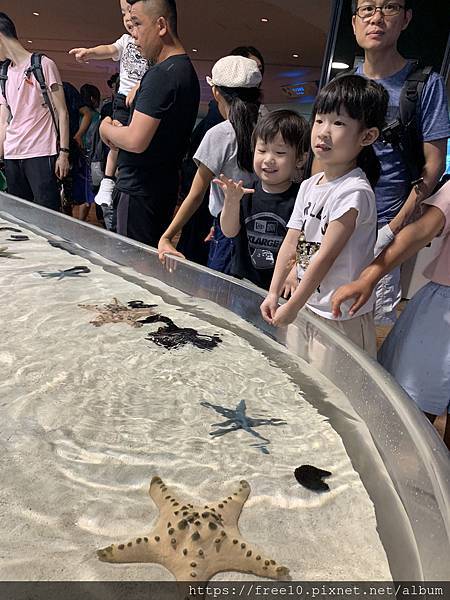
(236, 189)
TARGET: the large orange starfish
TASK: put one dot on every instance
(196, 542)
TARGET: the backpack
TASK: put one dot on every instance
(35, 68)
(402, 132)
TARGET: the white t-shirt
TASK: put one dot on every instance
(132, 64)
(316, 206)
(218, 152)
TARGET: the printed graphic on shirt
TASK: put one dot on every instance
(265, 233)
(313, 213)
(133, 62)
(305, 251)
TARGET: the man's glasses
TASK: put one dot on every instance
(390, 9)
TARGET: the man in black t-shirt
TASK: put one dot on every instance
(163, 115)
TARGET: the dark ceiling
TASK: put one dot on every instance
(212, 27)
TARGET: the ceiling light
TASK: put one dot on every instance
(295, 56)
(194, 50)
(30, 41)
(36, 14)
(339, 65)
(264, 20)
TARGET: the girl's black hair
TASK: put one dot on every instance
(365, 101)
(7, 27)
(247, 51)
(294, 130)
(89, 93)
(244, 107)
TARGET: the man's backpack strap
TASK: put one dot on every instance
(403, 132)
(36, 70)
(411, 93)
(4, 66)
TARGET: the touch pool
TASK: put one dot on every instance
(91, 413)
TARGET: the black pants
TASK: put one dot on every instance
(121, 112)
(143, 218)
(34, 179)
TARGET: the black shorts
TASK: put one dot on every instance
(121, 111)
(143, 218)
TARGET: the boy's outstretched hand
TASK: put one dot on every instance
(233, 191)
(360, 289)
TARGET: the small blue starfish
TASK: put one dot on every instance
(72, 272)
(237, 419)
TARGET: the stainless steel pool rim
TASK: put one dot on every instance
(417, 482)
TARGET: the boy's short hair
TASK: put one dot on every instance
(7, 27)
(408, 5)
(294, 130)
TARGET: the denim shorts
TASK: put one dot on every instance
(220, 250)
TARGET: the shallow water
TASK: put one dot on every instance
(89, 414)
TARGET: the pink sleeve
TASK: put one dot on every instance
(441, 199)
(51, 72)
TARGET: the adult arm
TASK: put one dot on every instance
(62, 162)
(86, 119)
(407, 243)
(190, 205)
(102, 52)
(435, 154)
(135, 137)
(4, 116)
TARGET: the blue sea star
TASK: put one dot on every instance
(237, 419)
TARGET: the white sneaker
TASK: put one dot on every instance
(104, 194)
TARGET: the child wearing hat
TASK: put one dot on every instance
(225, 149)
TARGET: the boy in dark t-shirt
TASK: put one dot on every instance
(258, 217)
(156, 138)
(263, 218)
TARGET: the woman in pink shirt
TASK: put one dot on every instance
(417, 350)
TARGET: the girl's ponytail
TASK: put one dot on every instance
(244, 107)
(368, 161)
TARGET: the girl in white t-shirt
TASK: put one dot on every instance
(332, 230)
(133, 67)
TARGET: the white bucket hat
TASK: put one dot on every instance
(235, 72)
